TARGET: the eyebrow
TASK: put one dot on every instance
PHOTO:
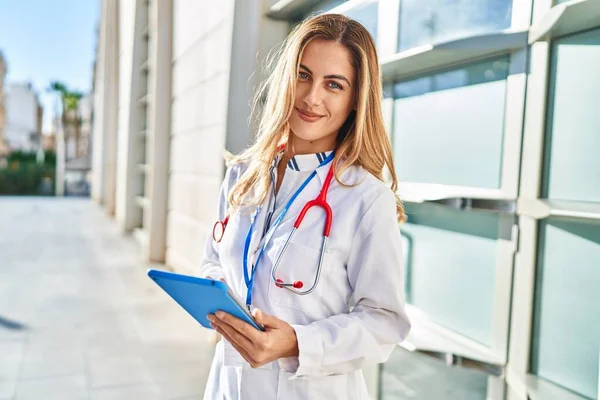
(341, 77)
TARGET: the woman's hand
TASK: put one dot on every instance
(222, 279)
(258, 348)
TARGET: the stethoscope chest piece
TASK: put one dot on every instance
(320, 201)
(219, 229)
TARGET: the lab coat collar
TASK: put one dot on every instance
(306, 162)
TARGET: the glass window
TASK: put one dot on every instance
(573, 143)
(366, 14)
(433, 21)
(448, 127)
(566, 334)
(324, 6)
(409, 375)
(450, 266)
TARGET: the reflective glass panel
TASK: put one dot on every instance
(450, 266)
(449, 127)
(366, 14)
(434, 21)
(572, 164)
(566, 335)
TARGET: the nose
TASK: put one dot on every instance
(312, 98)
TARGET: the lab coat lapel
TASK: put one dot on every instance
(255, 240)
(259, 225)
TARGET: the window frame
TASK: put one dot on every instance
(531, 208)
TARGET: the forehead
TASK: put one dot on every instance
(326, 57)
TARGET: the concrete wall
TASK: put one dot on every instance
(202, 40)
(127, 213)
(217, 52)
(105, 108)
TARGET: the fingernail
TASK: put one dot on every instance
(211, 318)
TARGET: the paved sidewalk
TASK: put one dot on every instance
(79, 319)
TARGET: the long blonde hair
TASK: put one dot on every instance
(361, 141)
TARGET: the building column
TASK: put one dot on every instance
(98, 147)
(105, 107)
(159, 130)
(130, 148)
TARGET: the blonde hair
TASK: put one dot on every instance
(361, 141)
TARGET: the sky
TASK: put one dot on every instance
(48, 40)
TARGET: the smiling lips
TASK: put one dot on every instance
(308, 116)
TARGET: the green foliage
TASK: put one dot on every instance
(70, 98)
(23, 176)
(31, 157)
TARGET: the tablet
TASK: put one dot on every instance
(200, 297)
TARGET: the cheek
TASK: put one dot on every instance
(339, 111)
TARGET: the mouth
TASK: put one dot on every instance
(307, 115)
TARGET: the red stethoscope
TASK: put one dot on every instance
(319, 201)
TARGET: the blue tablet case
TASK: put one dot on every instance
(200, 297)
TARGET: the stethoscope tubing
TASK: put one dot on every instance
(319, 201)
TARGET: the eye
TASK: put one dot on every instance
(303, 75)
(335, 85)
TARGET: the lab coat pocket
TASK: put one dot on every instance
(300, 263)
(332, 387)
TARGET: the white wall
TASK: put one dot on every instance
(201, 62)
(105, 108)
(218, 51)
(21, 116)
(127, 213)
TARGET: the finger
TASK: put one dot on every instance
(265, 319)
(239, 349)
(211, 278)
(236, 336)
(242, 327)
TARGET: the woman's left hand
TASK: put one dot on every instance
(258, 348)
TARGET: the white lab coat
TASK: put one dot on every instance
(355, 315)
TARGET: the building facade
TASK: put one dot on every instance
(3, 146)
(23, 117)
(491, 109)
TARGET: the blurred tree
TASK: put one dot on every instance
(71, 121)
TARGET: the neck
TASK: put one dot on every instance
(297, 146)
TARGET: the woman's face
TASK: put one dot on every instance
(325, 91)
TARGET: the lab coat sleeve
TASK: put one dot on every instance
(210, 265)
(346, 342)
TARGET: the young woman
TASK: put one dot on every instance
(330, 297)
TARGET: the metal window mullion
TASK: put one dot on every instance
(522, 309)
(428, 58)
(387, 27)
(418, 192)
(565, 19)
(506, 245)
(544, 208)
(525, 260)
(540, 9)
(522, 11)
(514, 113)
